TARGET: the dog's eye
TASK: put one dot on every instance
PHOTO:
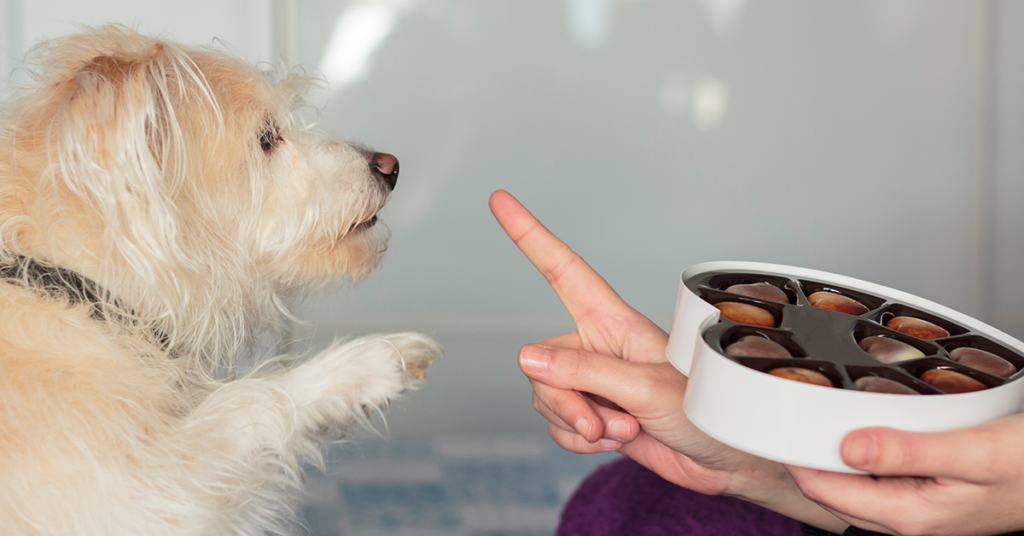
(269, 138)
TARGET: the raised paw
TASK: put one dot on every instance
(416, 352)
(345, 380)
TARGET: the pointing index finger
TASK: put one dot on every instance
(577, 285)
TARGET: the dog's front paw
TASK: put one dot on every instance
(347, 380)
(416, 352)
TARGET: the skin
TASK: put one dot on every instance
(608, 385)
(972, 480)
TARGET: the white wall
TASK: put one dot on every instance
(1007, 159)
(875, 139)
(242, 26)
(846, 140)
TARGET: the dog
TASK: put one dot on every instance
(158, 206)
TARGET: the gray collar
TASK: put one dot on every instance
(76, 288)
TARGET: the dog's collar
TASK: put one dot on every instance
(55, 280)
(77, 288)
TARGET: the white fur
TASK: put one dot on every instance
(137, 163)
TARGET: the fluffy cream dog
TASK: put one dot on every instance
(156, 204)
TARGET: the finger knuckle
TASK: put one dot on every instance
(568, 440)
(580, 364)
(557, 436)
(900, 453)
(560, 407)
(555, 272)
(654, 376)
(538, 404)
(647, 381)
(811, 490)
(893, 455)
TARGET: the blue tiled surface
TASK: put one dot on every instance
(457, 487)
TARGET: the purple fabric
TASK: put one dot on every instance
(624, 498)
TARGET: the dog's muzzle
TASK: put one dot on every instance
(385, 169)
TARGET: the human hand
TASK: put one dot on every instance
(967, 481)
(618, 354)
(605, 325)
(652, 394)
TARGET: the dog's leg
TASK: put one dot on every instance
(347, 381)
(254, 432)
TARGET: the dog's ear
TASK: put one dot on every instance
(112, 97)
(120, 146)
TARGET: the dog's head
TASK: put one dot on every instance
(177, 179)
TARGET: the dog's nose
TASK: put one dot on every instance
(385, 168)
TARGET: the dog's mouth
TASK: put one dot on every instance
(364, 225)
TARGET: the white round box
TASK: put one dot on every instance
(803, 424)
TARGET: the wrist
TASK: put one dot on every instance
(768, 484)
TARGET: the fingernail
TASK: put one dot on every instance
(609, 444)
(534, 358)
(619, 429)
(860, 451)
(583, 427)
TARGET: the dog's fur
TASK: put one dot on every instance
(172, 180)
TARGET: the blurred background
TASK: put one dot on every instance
(879, 139)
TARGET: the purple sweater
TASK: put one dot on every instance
(624, 498)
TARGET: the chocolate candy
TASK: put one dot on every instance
(889, 350)
(951, 381)
(904, 344)
(757, 346)
(837, 302)
(762, 291)
(983, 361)
(802, 375)
(746, 314)
(915, 327)
(874, 384)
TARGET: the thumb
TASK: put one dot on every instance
(889, 452)
(627, 384)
